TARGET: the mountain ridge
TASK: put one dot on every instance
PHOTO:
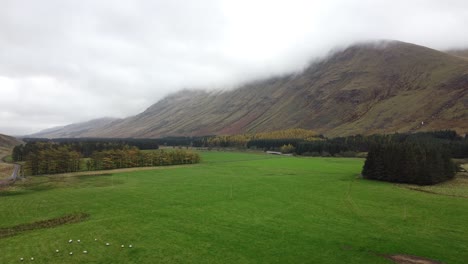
(379, 87)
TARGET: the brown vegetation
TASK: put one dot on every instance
(407, 259)
(241, 140)
(49, 223)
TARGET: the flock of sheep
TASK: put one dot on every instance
(84, 251)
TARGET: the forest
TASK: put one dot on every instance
(45, 157)
(421, 158)
(456, 145)
(409, 162)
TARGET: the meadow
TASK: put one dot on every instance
(230, 208)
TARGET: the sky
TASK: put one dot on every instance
(68, 61)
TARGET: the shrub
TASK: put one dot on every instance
(287, 149)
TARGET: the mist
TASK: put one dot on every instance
(70, 61)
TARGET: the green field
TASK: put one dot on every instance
(233, 208)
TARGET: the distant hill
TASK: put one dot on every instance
(382, 87)
(74, 130)
(463, 53)
(8, 141)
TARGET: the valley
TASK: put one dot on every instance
(232, 208)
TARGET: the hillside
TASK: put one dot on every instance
(6, 145)
(8, 141)
(74, 130)
(381, 87)
(462, 53)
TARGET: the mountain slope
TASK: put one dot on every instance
(74, 130)
(462, 53)
(381, 87)
(8, 141)
(6, 145)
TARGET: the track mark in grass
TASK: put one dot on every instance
(93, 175)
(49, 223)
(433, 192)
(408, 259)
(10, 193)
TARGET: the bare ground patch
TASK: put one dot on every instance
(408, 259)
(458, 187)
(49, 223)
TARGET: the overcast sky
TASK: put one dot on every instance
(69, 61)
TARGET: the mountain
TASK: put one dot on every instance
(75, 130)
(381, 87)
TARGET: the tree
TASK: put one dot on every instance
(408, 162)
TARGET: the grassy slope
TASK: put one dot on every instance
(235, 208)
(463, 53)
(8, 141)
(6, 145)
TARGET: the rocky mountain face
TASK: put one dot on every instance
(383, 87)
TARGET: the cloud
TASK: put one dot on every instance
(70, 61)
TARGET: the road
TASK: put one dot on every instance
(15, 175)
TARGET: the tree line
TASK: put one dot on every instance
(455, 145)
(263, 140)
(50, 158)
(133, 157)
(305, 142)
(84, 148)
(47, 158)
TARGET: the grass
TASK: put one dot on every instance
(5, 170)
(233, 208)
(457, 187)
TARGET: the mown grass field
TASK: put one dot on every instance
(233, 208)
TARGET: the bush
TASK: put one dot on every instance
(286, 149)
